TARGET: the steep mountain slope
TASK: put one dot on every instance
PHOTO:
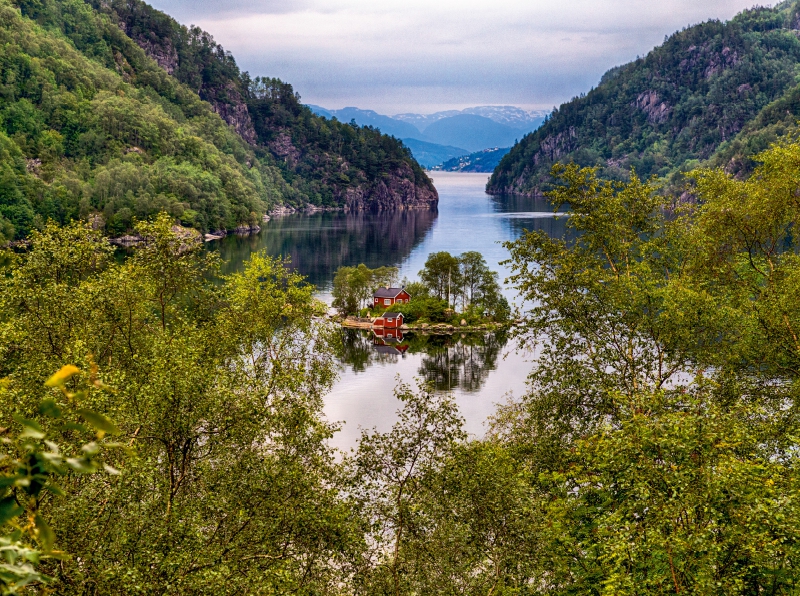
(79, 139)
(670, 110)
(779, 118)
(326, 163)
(432, 154)
(94, 121)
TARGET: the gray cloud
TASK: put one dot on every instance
(418, 55)
(188, 11)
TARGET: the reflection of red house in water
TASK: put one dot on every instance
(388, 296)
(389, 320)
(387, 341)
(390, 334)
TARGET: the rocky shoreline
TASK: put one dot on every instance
(131, 240)
(427, 328)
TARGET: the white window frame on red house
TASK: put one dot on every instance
(387, 301)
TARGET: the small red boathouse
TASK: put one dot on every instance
(389, 320)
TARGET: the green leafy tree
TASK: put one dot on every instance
(473, 276)
(658, 422)
(677, 497)
(388, 471)
(353, 286)
(219, 383)
(441, 275)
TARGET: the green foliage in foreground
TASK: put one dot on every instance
(219, 387)
(655, 452)
(30, 464)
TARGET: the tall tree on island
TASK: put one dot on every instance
(442, 275)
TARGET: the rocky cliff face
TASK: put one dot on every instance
(397, 191)
(164, 54)
(233, 110)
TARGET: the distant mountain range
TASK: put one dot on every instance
(436, 138)
(430, 155)
(511, 116)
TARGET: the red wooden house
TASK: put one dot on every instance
(387, 296)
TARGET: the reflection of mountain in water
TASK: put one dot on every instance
(530, 213)
(319, 244)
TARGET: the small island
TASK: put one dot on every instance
(453, 293)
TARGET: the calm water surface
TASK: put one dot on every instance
(479, 370)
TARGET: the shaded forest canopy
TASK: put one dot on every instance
(715, 93)
(117, 110)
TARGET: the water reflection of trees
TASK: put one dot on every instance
(319, 244)
(461, 361)
(357, 350)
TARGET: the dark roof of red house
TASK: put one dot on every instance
(392, 315)
(387, 292)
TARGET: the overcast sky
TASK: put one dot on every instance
(427, 55)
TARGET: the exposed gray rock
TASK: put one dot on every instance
(393, 192)
(650, 103)
(235, 113)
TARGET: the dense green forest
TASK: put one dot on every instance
(162, 427)
(94, 121)
(715, 93)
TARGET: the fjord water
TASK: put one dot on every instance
(479, 370)
(467, 219)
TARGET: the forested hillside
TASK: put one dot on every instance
(716, 92)
(94, 122)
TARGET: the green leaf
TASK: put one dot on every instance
(44, 534)
(49, 408)
(80, 465)
(91, 449)
(55, 489)
(9, 509)
(99, 421)
(31, 429)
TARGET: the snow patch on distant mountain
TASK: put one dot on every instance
(511, 116)
(439, 136)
